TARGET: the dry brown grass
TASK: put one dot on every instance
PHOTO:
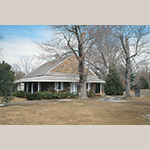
(76, 112)
(137, 98)
(17, 99)
(131, 92)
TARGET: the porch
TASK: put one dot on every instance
(60, 86)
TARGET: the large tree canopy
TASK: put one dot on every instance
(98, 46)
(72, 39)
(133, 43)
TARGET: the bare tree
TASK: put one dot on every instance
(18, 72)
(27, 64)
(24, 66)
(71, 39)
(105, 52)
(143, 70)
(132, 39)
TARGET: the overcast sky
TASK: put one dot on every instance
(18, 40)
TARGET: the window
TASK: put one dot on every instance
(88, 86)
(73, 87)
(58, 86)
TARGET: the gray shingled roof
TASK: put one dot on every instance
(59, 77)
(43, 69)
(41, 74)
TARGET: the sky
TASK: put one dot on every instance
(18, 40)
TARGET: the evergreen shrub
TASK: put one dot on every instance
(6, 82)
(113, 84)
(44, 95)
(20, 94)
(142, 83)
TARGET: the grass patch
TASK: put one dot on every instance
(137, 98)
(77, 112)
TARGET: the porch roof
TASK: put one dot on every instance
(58, 77)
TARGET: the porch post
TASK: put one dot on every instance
(24, 86)
(100, 88)
(39, 86)
(31, 87)
(27, 84)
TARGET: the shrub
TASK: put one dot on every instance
(38, 96)
(113, 84)
(55, 95)
(44, 95)
(34, 96)
(60, 95)
(73, 94)
(29, 96)
(68, 97)
(90, 93)
(142, 83)
(54, 92)
(20, 94)
(64, 94)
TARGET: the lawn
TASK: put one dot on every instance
(76, 112)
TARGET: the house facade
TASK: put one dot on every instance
(60, 74)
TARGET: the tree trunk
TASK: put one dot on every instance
(127, 76)
(83, 95)
(126, 49)
(82, 75)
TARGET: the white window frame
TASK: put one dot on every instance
(89, 87)
(56, 86)
(73, 87)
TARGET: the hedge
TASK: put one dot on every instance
(44, 95)
(48, 95)
(20, 94)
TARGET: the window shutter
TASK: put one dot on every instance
(70, 87)
(75, 87)
(89, 86)
(61, 85)
(56, 86)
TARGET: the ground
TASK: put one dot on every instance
(136, 111)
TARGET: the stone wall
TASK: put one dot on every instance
(66, 87)
(145, 92)
(47, 86)
(93, 87)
